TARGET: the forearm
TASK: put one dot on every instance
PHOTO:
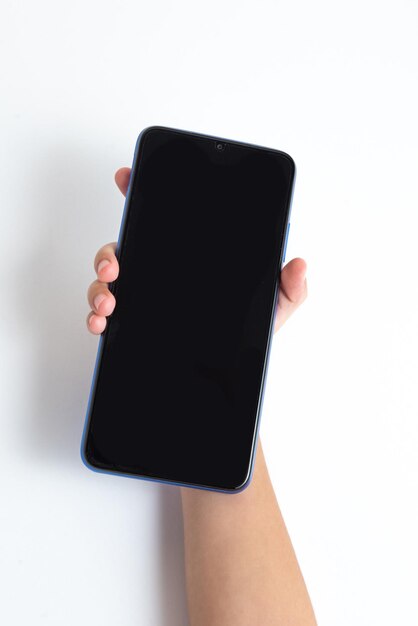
(241, 568)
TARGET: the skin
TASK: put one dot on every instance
(241, 568)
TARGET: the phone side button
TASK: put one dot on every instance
(285, 242)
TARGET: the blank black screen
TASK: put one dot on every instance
(180, 373)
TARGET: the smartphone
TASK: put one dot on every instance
(178, 384)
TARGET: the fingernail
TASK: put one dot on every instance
(102, 264)
(98, 300)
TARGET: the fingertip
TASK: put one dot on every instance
(105, 258)
(107, 270)
(96, 323)
(293, 280)
(122, 172)
(298, 267)
(103, 263)
(122, 176)
(104, 303)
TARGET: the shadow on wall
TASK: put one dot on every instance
(78, 208)
(67, 190)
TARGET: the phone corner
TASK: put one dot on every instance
(147, 130)
(292, 163)
(85, 457)
(243, 486)
(247, 481)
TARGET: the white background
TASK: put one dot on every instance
(336, 86)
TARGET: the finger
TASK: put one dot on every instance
(122, 177)
(101, 300)
(96, 323)
(293, 290)
(106, 264)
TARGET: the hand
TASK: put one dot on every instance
(293, 288)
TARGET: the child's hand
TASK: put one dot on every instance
(293, 289)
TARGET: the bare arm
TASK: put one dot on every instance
(241, 569)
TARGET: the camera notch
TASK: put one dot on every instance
(220, 146)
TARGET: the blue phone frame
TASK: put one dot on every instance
(283, 244)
